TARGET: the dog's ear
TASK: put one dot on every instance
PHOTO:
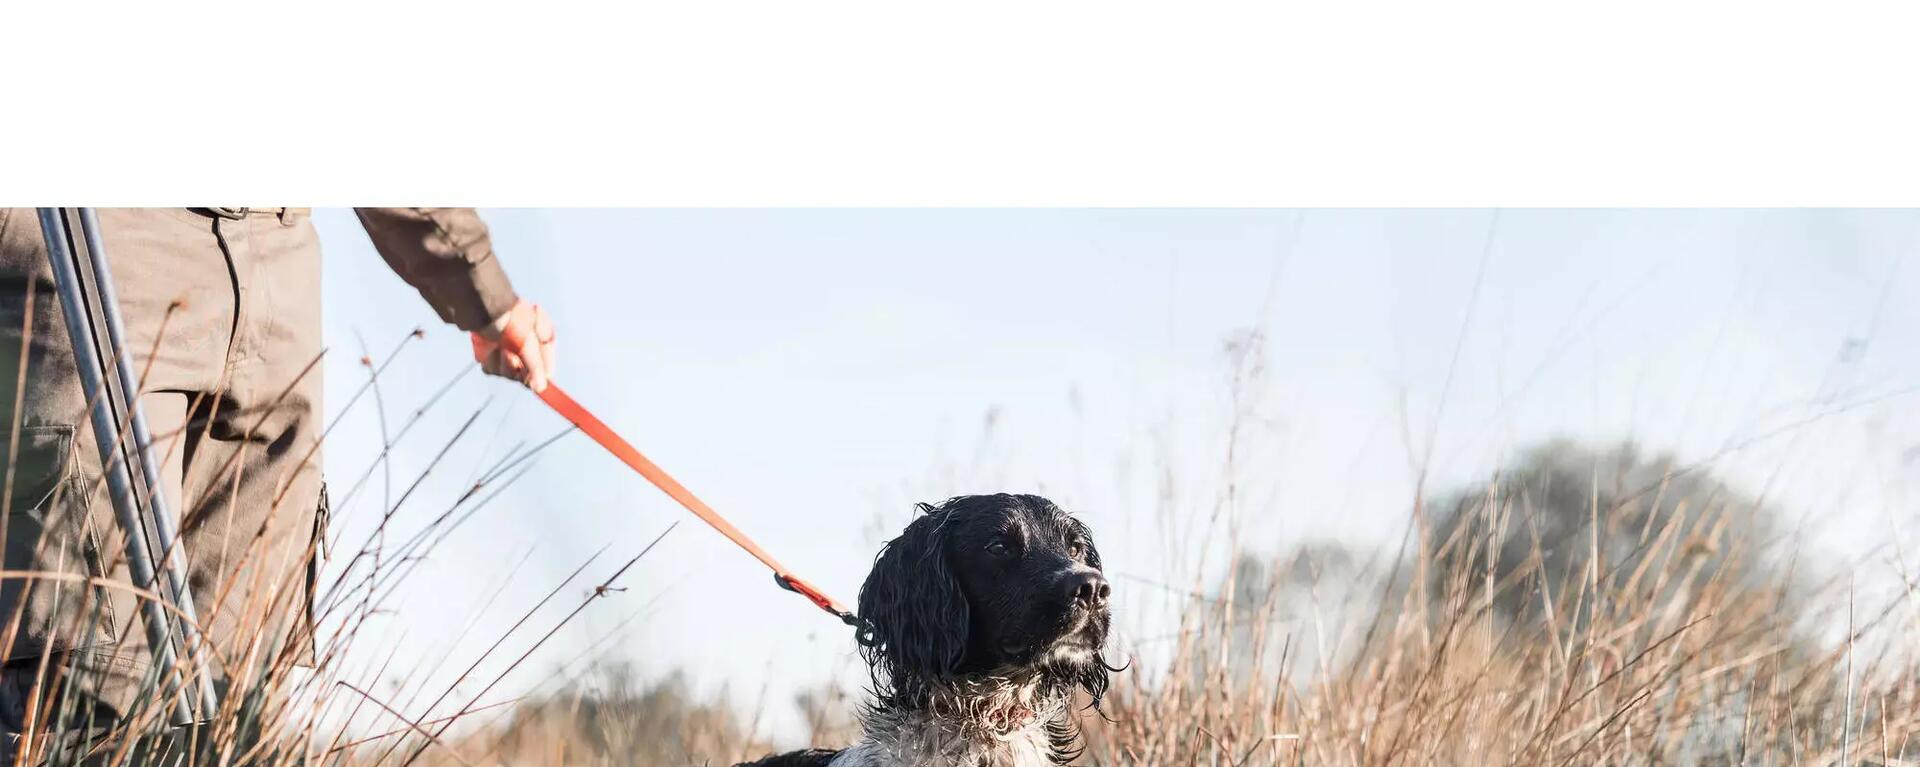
(913, 605)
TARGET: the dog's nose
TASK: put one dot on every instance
(1089, 589)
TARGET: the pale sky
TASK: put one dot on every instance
(811, 374)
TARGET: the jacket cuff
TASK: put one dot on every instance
(492, 296)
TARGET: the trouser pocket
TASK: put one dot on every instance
(51, 530)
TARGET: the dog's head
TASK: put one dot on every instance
(988, 584)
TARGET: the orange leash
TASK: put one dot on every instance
(621, 449)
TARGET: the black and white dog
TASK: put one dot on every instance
(987, 615)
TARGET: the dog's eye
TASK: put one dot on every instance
(999, 549)
(1075, 549)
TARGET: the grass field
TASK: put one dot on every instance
(1584, 605)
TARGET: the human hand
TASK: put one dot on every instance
(518, 345)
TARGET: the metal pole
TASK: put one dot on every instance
(62, 250)
(172, 557)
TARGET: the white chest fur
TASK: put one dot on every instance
(1026, 747)
(922, 738)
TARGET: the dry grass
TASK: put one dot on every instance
(1677, 634)
(1656, 619)
(1672, 655)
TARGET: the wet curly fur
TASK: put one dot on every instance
(987, 615)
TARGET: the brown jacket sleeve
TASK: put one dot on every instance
(446, 254)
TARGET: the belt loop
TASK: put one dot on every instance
(286, 216)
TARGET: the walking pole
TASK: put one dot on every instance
(87, 301)
(173, 557)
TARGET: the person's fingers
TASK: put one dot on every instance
(526, 368)
(536, 369)
(520, 372)
(501, 362)
(544, 335)
(546, 357)
(491, 355)
(520, 346)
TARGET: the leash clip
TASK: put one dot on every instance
(804, 589)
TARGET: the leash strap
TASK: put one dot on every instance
(579, 416)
